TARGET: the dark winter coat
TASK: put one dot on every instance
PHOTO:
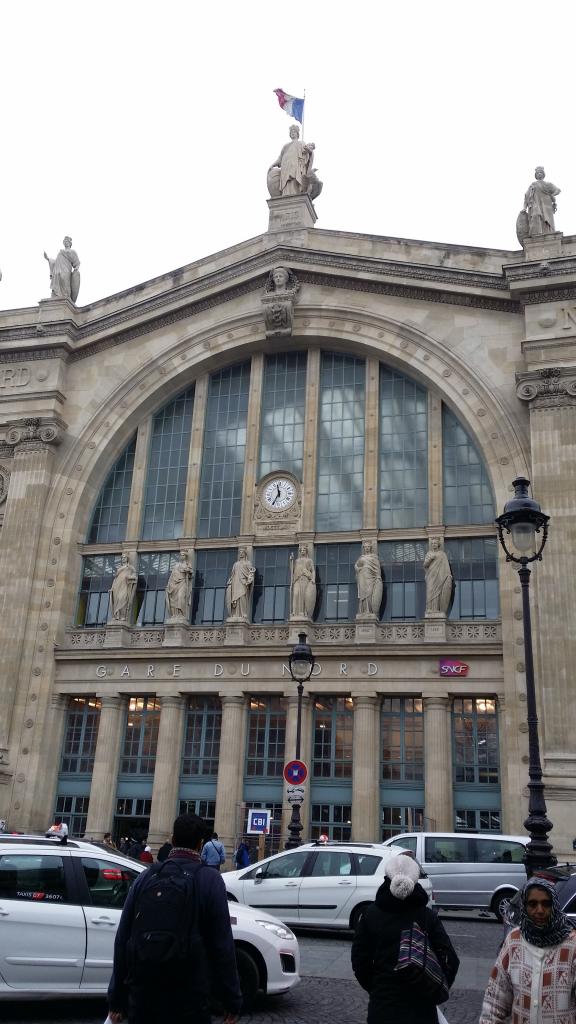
(375, 955)
(148, 1003)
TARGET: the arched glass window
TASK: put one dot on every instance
(339, 500)
(224, 451)
(467, 492)
(110, 516)
(403, 451)
(165, 488)
(282, 424)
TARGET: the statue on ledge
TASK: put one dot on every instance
(439, 579)
(369, 581)
(122, 591)
(537, 216)
(179, 589)
(239, 587)
(64, 273)
(292, 173)
(302, 584)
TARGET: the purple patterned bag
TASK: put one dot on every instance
(419, 965)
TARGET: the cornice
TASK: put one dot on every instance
(152, 312)
(548, 295)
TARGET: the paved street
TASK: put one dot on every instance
(328, 991)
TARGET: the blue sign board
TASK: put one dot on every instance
(258, 821)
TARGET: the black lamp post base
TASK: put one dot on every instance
(295, 827)
(539, 854)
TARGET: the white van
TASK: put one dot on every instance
(469, 870)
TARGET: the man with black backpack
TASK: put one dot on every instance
(174, 939)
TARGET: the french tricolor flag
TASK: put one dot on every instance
(291, 105)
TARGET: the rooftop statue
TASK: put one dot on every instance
(64, 273)
(537, 217)
(292, 173)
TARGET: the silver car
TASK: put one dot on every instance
(59, 909)
(317, 884)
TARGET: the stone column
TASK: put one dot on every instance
(167, 769)
(136, 507)
(310, 447)
(552, 396)
(371, 466)
(438, 797)
(106, 761)
(252, 440)
(195, 456)
(34, 441)
(366, 768)
(230, 767)
(39, 795)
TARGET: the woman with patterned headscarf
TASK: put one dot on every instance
(534, 978)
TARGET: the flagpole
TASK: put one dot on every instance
(303, 113)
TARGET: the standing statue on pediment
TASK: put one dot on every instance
(122, 591)
(537, 217)
(292, 173)
(302, 584)
(369, 581)
(64, 272)
(239, 586)
(179, 589)
(439, 579)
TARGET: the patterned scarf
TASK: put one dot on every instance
(558, 925)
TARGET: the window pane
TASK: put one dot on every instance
(266, 737)
(223, 455)
(467, 489)
(340, 443)
(475, 740)
(282, 423)
(154, 570)
(337, 590)
(111, 511)
(167, 474)
(80, 735)
(474, 564)
(271, 600)
(210, 577)
(404, 584)
(202, 737)
(97, 575)
(403, 493)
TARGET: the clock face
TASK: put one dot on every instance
(279, 494)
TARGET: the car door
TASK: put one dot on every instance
(327, 890)
(42, 933)
(449, 861)
(274, 885)
(104, 884)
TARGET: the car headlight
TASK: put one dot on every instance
(278, 929)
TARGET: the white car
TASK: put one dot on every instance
(317, 884)
(59, 909)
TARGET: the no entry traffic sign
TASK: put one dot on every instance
(295, 773)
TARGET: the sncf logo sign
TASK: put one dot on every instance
(451, 667)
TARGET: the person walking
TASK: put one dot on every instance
(242, 855)
(534, 977)
(400, 902)
(213, 853)
(174, 939)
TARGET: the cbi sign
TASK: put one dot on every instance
(452, 667)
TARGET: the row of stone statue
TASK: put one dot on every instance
(303, 586)
(292, 174)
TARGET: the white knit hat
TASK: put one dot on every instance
(403, 873)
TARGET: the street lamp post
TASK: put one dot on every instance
(520, 523)
(301, 663)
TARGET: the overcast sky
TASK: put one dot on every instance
(145, 130)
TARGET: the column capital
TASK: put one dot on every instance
(547, 388)
(115, 701)
(35, 433)
(230, 699)
(435, 702)
(366, 700)
(173, 700)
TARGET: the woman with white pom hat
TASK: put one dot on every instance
(400, 901)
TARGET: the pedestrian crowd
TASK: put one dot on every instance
(174, 950)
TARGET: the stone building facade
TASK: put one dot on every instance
(389, 391)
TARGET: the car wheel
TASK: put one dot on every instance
(357, 915)
(249, 976)
(500, 901)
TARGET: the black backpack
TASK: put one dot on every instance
(165, 943)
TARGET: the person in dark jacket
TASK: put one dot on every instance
(400, 901)
(188, 1000)
(163, 852)
(242, 855)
